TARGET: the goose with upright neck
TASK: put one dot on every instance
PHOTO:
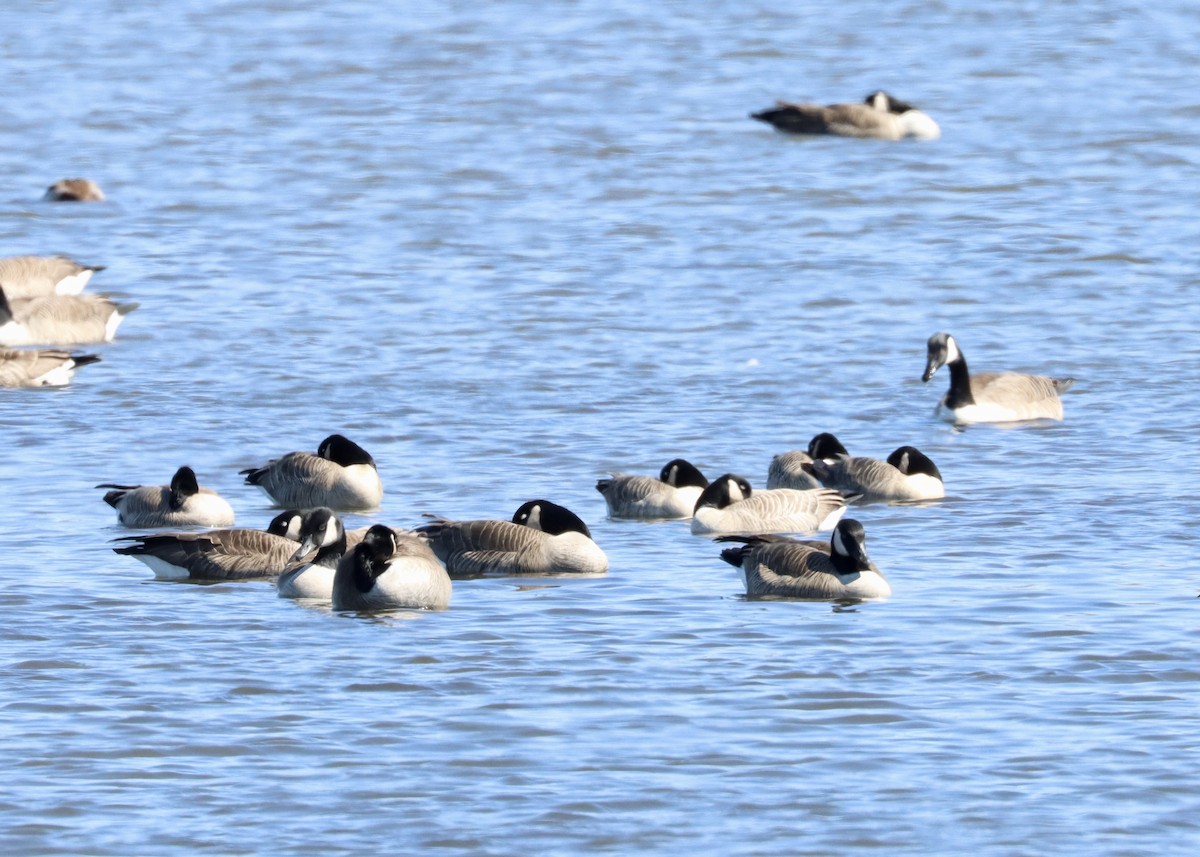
(990, 397)
(310, 571)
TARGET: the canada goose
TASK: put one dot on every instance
(672, 495)
(794, 469)
(341, 476)
(907, 474)
(880, 117)
(310, 570)
(60, 319)
(729, 505)
(40, 368)
(74, 190)
(819, 571)
(183, 503)
(388, 571)
(990, 397)
(542, 538)
(33, 276)
(242, 554)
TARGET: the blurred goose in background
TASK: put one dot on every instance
(990, 397)
(907, 474)
(309, 573)
(40, 368)
(183, 503)
(781, 567)
(794, 469)
(729, 505)
(341, 476)
(241, 554)
(542, 538)
(60, 319)
(34, 276)
(672, 495)
(390, 570)
(74, 190)
(879, 117)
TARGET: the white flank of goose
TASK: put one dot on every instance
(241, 554)
(775, 566)
(729, 505)
(542, 538)
(40, 368)
(990, 397)
(390, 570)
(879, 117)
(341, 476)
(310, 571)
(34, 276)
(672, 495)
(60, 319)
(183, 503)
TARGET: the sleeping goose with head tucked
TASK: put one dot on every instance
(233, 554)
(879, 117)
(543, 538)
(60, 319)
(776, 566)
(183, 503)
(990, 397)
(341, 476)
(34, 276)
(672, 495)
(390, 570)
(43, 368)
(794, 469)
(730, 505)
(907, 474)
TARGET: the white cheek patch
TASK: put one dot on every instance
(735, 491)
(839, 546)
(951, 350)
(903, 468)
(330, 533)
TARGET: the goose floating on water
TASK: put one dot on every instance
(183, 503)
(907, 474)
(341, 476)
(390, 570)
(879, 117)
(44, 368)
(794, 469)
(776, 566)
(60, 319)
(990, 397)
(730, 505)
(34, 276)
(310, 570)
(74, 190)
(672, 495)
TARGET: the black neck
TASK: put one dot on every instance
(960, 385)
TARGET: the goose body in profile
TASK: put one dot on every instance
(60, 319)
(43, 368)
(794, 469)
(390, 570)
(729, 505)
(776, 566)
(341, 476)
(672, 495)
(990, 397)
(879, 117)
(24, 277)
(310, 571)
(543, 538)
(183, 503)
(230, 554)
(907, 474)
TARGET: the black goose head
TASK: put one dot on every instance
(682, 474)
(322, 538)
(550, 518)
(909, 460)
(286, 524)
(825, 445)
(341, 450)
(372, 556)
(940, 350)
(849, 547)
(725, 490)
(183, 485)
(881, 100)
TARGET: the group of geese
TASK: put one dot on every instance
(309, 554)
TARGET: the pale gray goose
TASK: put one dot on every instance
(341, 476)
(34, 276)
(183, 503)
(990, 397)
(228, 554)
(672, 495)
(543, 538)
(43, 368)
(729, 505)
(390, 570)
(775, 566)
